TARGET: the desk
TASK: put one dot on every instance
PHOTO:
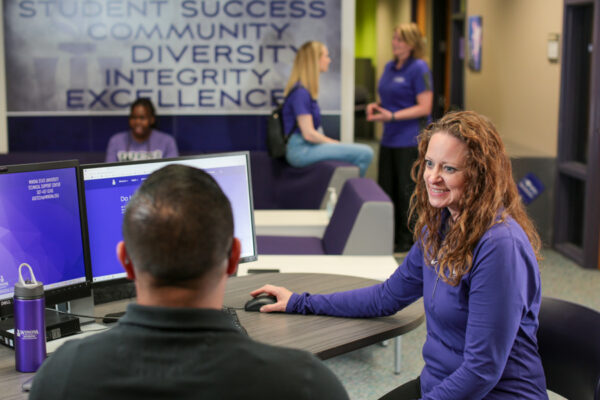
(291, 222)
(324, 336)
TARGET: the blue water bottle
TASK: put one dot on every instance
(30, 325)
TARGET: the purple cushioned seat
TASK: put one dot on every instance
(289, 245)
(355, 194)
(278, 185)
(303, 188)
(362, 223)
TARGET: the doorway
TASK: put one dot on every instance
(577, 196)
(448, 55)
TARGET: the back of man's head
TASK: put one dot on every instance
(178, 226)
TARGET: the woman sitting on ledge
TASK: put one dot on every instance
(301, 115)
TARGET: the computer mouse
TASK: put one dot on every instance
(257, 302)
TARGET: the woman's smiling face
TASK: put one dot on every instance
(444, 174)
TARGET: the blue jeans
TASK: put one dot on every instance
(301, 153)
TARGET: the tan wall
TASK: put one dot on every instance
(517, 87)
(389, 14)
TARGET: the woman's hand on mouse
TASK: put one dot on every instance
(283, 296)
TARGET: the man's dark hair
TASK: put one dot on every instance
(178, 226)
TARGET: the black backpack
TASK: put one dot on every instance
(276, 138)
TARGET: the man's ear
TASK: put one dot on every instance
(234, 256)
(125, 260)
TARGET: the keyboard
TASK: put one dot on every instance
(236, 321)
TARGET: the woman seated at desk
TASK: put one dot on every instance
(141, 141)
(474, 262)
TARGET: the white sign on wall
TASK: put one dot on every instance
(188, 56)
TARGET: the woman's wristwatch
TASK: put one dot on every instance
(393, 118)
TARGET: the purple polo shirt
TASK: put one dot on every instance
(481, 335)
(122, 147)
(299, 102)
(398, 89)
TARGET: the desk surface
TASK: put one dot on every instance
(323, 336)
(370, 267)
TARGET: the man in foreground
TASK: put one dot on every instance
(176, 343)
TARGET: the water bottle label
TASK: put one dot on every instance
(28, 334)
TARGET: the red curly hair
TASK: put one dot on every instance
(489, 189)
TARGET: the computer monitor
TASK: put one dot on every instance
(40, 224)
(108, 188)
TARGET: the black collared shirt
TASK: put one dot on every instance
(174, 353)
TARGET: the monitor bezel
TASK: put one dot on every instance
(74, 291)
(83, 167)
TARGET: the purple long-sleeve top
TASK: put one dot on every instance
(481, 334)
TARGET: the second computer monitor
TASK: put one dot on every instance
(108, 188)
(40, 225)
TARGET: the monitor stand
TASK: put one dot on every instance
(113, 292)
(84, 306)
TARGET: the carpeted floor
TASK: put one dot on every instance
(368, 373)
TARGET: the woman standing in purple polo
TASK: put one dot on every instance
(406, 96)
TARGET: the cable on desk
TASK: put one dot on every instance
(81, 315)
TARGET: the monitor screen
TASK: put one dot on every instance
(108, 188)
(40, 224)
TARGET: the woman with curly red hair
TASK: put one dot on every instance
(474, 262)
